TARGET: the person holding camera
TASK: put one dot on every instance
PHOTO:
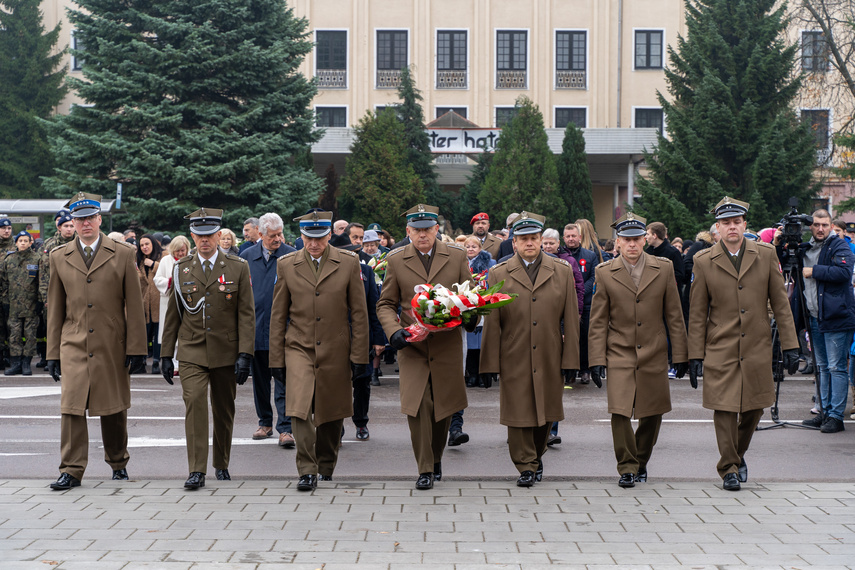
(827, 276)
(729, 337)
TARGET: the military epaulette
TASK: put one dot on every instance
(764, 244)
(394, 251)
(290, 254)
(234, 257)
(605, 264)
(185, 259)
(660, 258)
(455, 246)
(705, 251)
(60, 247)
(126, 244)
(347, 251)
(502, 264)
(562, 261)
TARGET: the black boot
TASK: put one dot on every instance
(25, 366)
(155, 367)
(375, 377)
(15, 366)
(41, 363)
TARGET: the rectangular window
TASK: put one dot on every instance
(462, 111)
(566, 115)
(814, 52)
(570, 60)
(391, 57)
(451, 48)
(819, 121)
(331, 116)
(504, 116)
(331, 56)
(76, 61)
(649, 118)
(648, 49)
(511, 59)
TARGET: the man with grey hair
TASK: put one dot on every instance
(715, 234)
(339, 227)
(250, 234)
(262, 258)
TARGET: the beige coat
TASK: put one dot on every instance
(629, 336)
(729, 325)
(212, 337)
(491, 245)
(440, 356)
(150, 294)
(522, 341)
(318, 345)
(95, 319)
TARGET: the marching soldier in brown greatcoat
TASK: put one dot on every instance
(432, 385)
(730, 342)
(524, 344)
(636, 302)
(96, 329)
(318, 342)
(211, 310)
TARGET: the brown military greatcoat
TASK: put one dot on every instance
(95, 320)
(440, 356)
(318, 345)
(628, 334)
(491, 245)
(224, 327)
(522, 341)
(729, 325)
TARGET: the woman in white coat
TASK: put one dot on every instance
(178, 248)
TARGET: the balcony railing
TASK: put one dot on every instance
(332, 78)
(388, 78)
(451, 79)
(570, 80)
(511, 80)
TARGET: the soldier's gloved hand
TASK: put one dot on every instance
(680, 368)
(470, 320)
(359, 370)
(399, 339)
(696, 368)
(167, 368)
(791, 360)
(597, 375)
(53, 369)
(278, 374)
(487, 379)
(242, 367)
(135, 362)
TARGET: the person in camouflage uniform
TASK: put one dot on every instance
(64, 234)
(19, 287)
(7, 244)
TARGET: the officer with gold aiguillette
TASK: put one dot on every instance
(211, 313)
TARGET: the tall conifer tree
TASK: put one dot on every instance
(193, 104)
(732, 129)
(31, 85)
(574, 179)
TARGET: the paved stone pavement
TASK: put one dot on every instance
(471, 525)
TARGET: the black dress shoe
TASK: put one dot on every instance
(437, 471)
(223, 475)
(307, 483)
(65, 482)
(457, 437)
(627, 480)
(526, 479)
(424, 482)
(538, 475)
(731, 482)
(742, 475)
(814, 422)
(195, 480)
(362, 433)
(120, 474)
(641, 476)
(323, 477)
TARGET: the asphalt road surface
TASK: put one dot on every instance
(29, 438)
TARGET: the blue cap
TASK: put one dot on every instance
(66, 217)
(315, 224)
(84, 205)
(5, 222)
(61, 213)
(21, 234)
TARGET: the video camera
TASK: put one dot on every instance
(793, 227)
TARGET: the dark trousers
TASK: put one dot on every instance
(362, 398)
(526, 445)
(473, 356)
(427, 435)
(583, 337)
(456, 422)
(733, 432)
(74, 442)
(261, 379)
(151, 336)
(633, 450)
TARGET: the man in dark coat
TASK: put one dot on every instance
(587, 261)
(262, 258)
(659, 245)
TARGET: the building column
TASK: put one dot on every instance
(630, 182)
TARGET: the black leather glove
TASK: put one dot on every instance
(488, 378)
(134, 363)
(470, 320)
(359, 370)
(278, 374)
(399, 339)
(167, 369)
(680, 368)
(791, 360)
(53, 369)
(696, 368)
(597, 375)
(242, 367)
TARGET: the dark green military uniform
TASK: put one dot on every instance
(6, 245)
(44, 264)
(19, 283)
